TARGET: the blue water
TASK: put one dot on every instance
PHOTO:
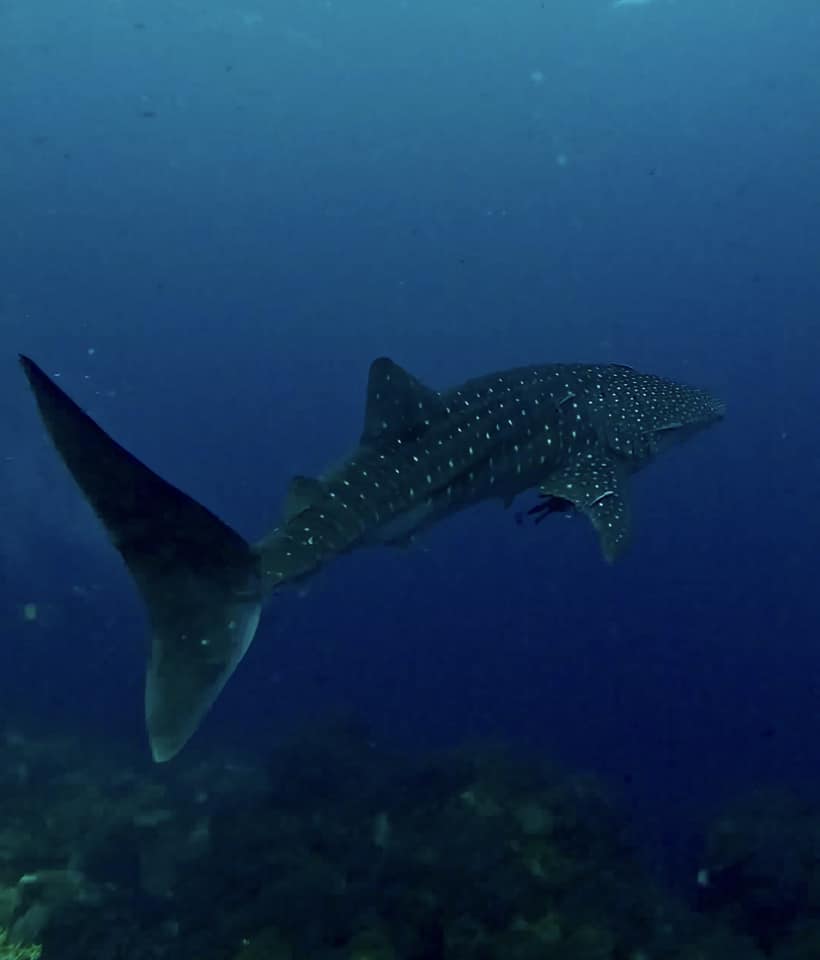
(215, 215)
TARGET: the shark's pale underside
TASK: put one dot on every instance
(573, 431)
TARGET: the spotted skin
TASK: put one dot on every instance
(574, 432)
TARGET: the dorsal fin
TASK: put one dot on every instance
(398, 405)
(303, 493)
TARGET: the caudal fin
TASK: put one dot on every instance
(198, 578)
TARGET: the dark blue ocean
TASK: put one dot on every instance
(214, 215)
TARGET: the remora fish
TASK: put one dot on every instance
(574, 431)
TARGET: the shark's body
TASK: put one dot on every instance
(574, 431)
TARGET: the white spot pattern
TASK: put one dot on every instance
(577, 429)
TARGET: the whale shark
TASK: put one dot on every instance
(571, 432)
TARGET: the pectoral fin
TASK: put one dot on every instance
(597, 486)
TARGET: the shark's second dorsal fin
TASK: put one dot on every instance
(303, 493)
(398, 405)
(597, 487)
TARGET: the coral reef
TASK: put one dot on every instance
(761, 873)
(340, 850)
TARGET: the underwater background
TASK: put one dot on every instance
(214, 215)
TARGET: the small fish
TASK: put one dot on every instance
(573, 432)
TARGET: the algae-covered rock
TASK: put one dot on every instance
(268, 944)
(382, 829)
(371, 944)
(545, 930)
(10, 950)
(9, 903)
(534, 818)
(466, 938)
(801, 943)
(760, 873)
(590, 941)
(480, 801)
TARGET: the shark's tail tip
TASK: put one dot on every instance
(191, 664)
(198, 578)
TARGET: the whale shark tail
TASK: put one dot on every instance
(198, 578)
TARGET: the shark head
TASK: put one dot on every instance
(694, 411)
(651, 413)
